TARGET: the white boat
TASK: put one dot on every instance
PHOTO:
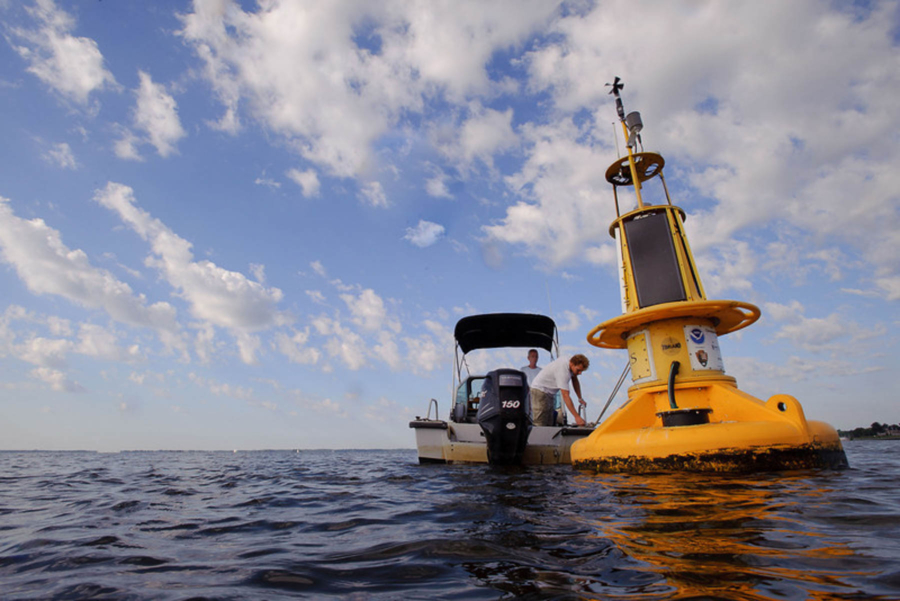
(490, 414)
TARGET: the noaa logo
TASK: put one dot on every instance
(697, 336)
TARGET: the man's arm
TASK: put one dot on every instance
(571, 406)
(577, 386)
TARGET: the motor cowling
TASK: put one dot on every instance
(504, 414)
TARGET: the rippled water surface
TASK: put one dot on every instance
(376, 525)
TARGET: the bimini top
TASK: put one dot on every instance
(498, 330)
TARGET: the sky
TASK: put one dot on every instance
(254, 225)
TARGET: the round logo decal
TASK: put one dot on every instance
(670, 346)
(697, 336)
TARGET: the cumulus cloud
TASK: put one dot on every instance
(569, 321)
(342, 343)
(296, 348)
(373, 194)
(100, 342)
(424, 234)
(436, 186)
(307, 180)
(429, 351)
(566, 209)
(318, 268)
(61, 155)
(56, 379)
(259, 272)
(45, 352)
(73, 66)
(156, 114)
(224, 298)
(369, 312)
(329, 94)
(483, 134)
(50, 355)
(316, 296)
(126, 147)
(268, 182)
(47, 266)
(814, 334)
(424, 354)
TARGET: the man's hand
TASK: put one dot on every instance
(578, 419)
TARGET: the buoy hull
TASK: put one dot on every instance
(744, 434)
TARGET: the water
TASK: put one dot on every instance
(376, 525)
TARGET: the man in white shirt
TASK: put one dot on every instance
(556, 377)
(531, 370)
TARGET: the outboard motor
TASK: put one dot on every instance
(504, 415)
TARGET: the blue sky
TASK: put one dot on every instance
(240, 225)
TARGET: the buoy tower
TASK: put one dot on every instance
(683, 412)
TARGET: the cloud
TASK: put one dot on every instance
(571, 322)
(61, 155)
(50, 355)
(814, 334)
(225, 298)
(437, 186)
(331, 95)
(296, 348)
(307, 180)
(731, 268)
(156, 114)
(126, 147)
(259, 272)
(316, 296)
(430, 351)
(56, 379)
(318, 268)
(47, 266)
(343, 343)
(424, 234)
(45, 352)
(97, 341)
(889, 287)
(484, 133)
(73, 66)
(268, 182)
(369, 312)
(424, 355)
(373, 194)
(248, 346)
(241, 393)
(387, 350)
(562, 215)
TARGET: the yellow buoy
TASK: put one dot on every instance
(683, 412)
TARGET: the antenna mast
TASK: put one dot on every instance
(631, 126)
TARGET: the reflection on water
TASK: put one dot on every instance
(376, 525)
(720, 537)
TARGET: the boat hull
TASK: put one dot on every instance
(438, 441)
